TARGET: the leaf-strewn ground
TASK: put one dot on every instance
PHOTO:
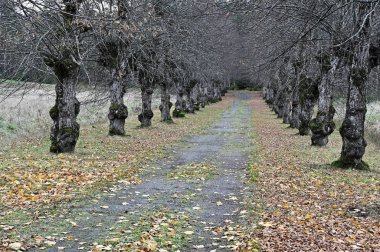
(304, 203)
(34, 183)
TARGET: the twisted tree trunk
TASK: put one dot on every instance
(352, 130)
(146, 115)
(166, 105)
(189, 102)
(308, 91)
(202, 96)
(296, 109)
(65, 130)
(64, 60)
(196, 98)
(118, 112)
(323, 125)
(287, 104)
(180, 104)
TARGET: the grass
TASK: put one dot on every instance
(304, 201)
(28, 111)
(149, 231)
(32, 178)
(372, 124)
(193, 171)
(6, 128)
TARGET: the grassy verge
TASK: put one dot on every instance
(34, 183)
(161, 230)
(193, 171)
(305, 204)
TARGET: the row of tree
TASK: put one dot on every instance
(306, 52)
(106, 43)
(331, 53)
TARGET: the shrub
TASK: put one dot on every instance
(247, 84)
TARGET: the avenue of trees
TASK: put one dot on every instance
(331, 51)
(305, 53)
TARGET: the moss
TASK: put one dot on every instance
(178, 114)
(169, 121)
(359, 76)
(119, 111)
(114, 132)
(348, 165)
(67, 130)
(54, 112)
(315, 124)
(54, 148)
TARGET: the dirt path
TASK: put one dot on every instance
(212, 198)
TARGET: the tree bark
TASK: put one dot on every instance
(146, 115)
(64, 61)
(323, 125)
(352, 130)
(195, 96)
(166, 105)
(65, 130)
(202, 96)
(296, 109)
(118, 112)
(308, 91)
(189, 102)
(180, 104)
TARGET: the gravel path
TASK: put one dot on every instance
(216, 200)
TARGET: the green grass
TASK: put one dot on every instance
(149, 231)
(6, 128)
(193, 171)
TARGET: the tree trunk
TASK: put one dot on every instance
(146, 115)
(323, 125)
(352, 130)
(118, 112)
(287, 104)
(166, 105)
(202, 96)
(189, 103)
(296, 110)
(278, 107)
(65, 129)
(308, 91)
(180, 104)
(195, 96)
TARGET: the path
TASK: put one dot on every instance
(214, 201)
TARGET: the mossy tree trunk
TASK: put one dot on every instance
(282, 100)
(112, 57)
(323, 125)
(202, 96)
(196, 97)
(166, 105)
(352, 130)
(308, 92)
(118, 112)
(64, 60)
(146, 115)
(360, 65)
(180, 104)
(296, 109)
(65, 130)
(189, 101)
(269, 95)
(288, 83)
